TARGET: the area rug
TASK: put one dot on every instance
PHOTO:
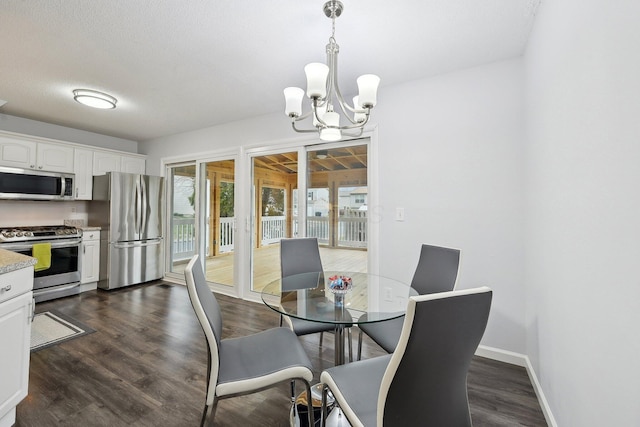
(50, 328)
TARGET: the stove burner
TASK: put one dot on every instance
(21, 234)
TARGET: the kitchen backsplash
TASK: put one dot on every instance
(18, 213)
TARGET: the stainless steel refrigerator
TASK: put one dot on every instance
(129, 208)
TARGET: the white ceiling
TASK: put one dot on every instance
(177, 65)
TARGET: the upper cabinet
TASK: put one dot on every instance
(130, 164)
(32, 152)
(26, 154)
(83, 168)
(104, 162)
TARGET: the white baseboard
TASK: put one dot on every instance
(520, 360)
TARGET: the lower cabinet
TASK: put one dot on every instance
(90, 264)
(15, 335)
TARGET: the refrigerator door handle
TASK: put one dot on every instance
(144, 211)
(138, 207)
(142, 243)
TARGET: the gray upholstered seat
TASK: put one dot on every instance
(424, 382)
(246, 364)
(437, 271)
(301, 255)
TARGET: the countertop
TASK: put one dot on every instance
(89, 228)
(10, 261)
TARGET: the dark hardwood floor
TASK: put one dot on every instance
(146, 365)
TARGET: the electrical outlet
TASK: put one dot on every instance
(388, 294)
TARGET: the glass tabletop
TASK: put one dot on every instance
(338, 297)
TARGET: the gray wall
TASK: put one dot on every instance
(46, 130)
(583, 209)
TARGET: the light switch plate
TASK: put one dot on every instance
(399, 214)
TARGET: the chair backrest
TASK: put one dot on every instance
(426, 380)
(300, 255)
(437, 270)
(208, 313)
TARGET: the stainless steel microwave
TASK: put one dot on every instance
(28, 184)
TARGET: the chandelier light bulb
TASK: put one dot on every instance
(368, 90)
(331, 118)
(317, 74)
(293, 97)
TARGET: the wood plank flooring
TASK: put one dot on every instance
(146, 365)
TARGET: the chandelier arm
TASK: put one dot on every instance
(293, 125)
(315, 114)
(354, 135)
(302, 117)
(355, 125)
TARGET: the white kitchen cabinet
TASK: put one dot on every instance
(130, 164)
(27, 154)
(90, 262)
(16, 311)
(104, 162)
(83, 168)
(54, 158)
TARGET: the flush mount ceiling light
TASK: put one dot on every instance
(94, 98)
(323, 90)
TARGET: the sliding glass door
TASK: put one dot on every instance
(337, 207)
(317, 191)
(202, 220)
(181, 185)
(273, 213)
(218, 215)
(235, 221)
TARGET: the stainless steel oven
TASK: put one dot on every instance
(62, 278)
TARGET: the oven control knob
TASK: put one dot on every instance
(9, 233)
(28, 233)
(19, 234)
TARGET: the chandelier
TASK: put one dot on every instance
(325, 96)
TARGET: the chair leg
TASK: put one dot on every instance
(311, 417)
(324, 412)
(321, 338)
(209, 408)
(349, 337)
(359, 343)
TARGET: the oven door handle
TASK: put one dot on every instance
(29, 246)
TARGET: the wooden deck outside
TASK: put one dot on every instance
(219, 269)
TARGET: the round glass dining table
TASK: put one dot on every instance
(339, 298)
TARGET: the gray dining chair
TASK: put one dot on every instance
(247, 364)
(302, 255)
(424, 382)
(437, 271)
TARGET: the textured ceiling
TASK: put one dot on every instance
(176, 65)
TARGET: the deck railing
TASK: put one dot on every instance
(227, 227)
(184, 238)
(352, 232)
(274, 228)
